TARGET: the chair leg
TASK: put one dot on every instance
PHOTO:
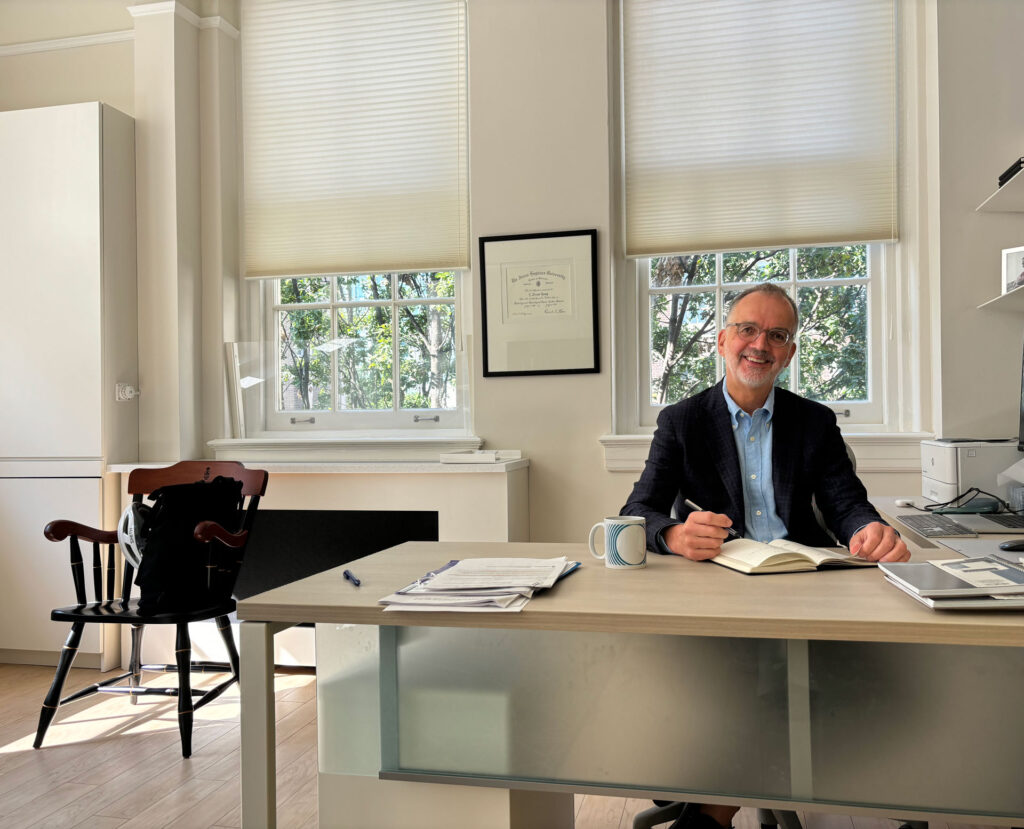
(52, 701)
(224, 626)
(183, 655)
(661, 812)
(135, 661)
(789, 820)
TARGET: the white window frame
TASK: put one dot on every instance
(420, 420)
(849, 412)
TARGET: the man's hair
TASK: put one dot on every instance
(773, 290)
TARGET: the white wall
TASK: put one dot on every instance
(981, 126)
(539, 150)
(540, 161)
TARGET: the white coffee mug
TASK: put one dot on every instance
(625, 542)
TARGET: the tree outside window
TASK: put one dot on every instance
(366, 343)
(689, 296)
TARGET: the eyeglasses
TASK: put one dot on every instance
(748, 332)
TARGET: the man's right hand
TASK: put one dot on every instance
(698, 538)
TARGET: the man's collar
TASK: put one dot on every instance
(734, 409)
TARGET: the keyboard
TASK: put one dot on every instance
(1006, 519)
(937, 526)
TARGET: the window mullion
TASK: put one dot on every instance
(335, 363)
(794, 292)
(396, 351)
(719, 309)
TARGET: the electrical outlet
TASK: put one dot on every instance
(123, 392)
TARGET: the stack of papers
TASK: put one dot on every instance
(481, 584)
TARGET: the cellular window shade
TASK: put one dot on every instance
(758, 123)
(355, 136)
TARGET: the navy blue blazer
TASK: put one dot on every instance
(693, 455)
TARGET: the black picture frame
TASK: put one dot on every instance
(538, 299)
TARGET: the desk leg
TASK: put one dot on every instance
(256, 687)
(799, 691)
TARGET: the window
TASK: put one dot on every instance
(783, 163)
(356, 211)
(835, 288)
(362, 351)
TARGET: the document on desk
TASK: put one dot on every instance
(508, 604)
(487, 585)
(477, 573)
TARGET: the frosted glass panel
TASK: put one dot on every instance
(618, 709)
(919, 726)
(348, 699)
(947, 718)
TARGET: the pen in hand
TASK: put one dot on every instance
(350, 576)
(693, 506)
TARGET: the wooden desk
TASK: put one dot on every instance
(671, 596)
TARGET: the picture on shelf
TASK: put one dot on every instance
(1013, 269)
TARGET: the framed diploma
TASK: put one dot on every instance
(538, 292)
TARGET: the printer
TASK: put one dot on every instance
(949, 467)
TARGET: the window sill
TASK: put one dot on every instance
(371, 446)
(875, 451)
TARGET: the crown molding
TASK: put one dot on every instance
(66, 43)
(104, 38)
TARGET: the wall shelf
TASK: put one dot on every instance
(1007, 199)
(1013, 302)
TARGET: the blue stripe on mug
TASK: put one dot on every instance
(612, 545)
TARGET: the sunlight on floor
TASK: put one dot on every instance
(104, 716)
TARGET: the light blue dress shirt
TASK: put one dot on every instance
(753, 435)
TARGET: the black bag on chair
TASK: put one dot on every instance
(177, 572)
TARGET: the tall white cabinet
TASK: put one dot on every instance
(69, 335)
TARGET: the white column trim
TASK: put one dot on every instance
(185, 13)
(221, 25)
(165, 7)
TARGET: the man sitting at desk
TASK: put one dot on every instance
(752, 456)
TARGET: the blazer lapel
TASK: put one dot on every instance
(723, 447)
(784, 439)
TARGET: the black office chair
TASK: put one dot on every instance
(113, 607)
(664, 811)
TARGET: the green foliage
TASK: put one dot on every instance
(361, 353)
(756, 266)
(833, 343)
(427, 376)
(305, 368)
(833, 338)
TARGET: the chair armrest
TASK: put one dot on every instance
(59, 530)
(209, 530)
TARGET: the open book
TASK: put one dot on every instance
(783, 556)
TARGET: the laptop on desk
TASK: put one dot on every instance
(960, 524)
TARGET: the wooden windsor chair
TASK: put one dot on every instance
(113, 606)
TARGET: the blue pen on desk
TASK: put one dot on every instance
(693, 506)
(348, 574)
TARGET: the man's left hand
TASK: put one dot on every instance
(878, 542)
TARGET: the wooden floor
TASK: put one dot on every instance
(107, 764)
